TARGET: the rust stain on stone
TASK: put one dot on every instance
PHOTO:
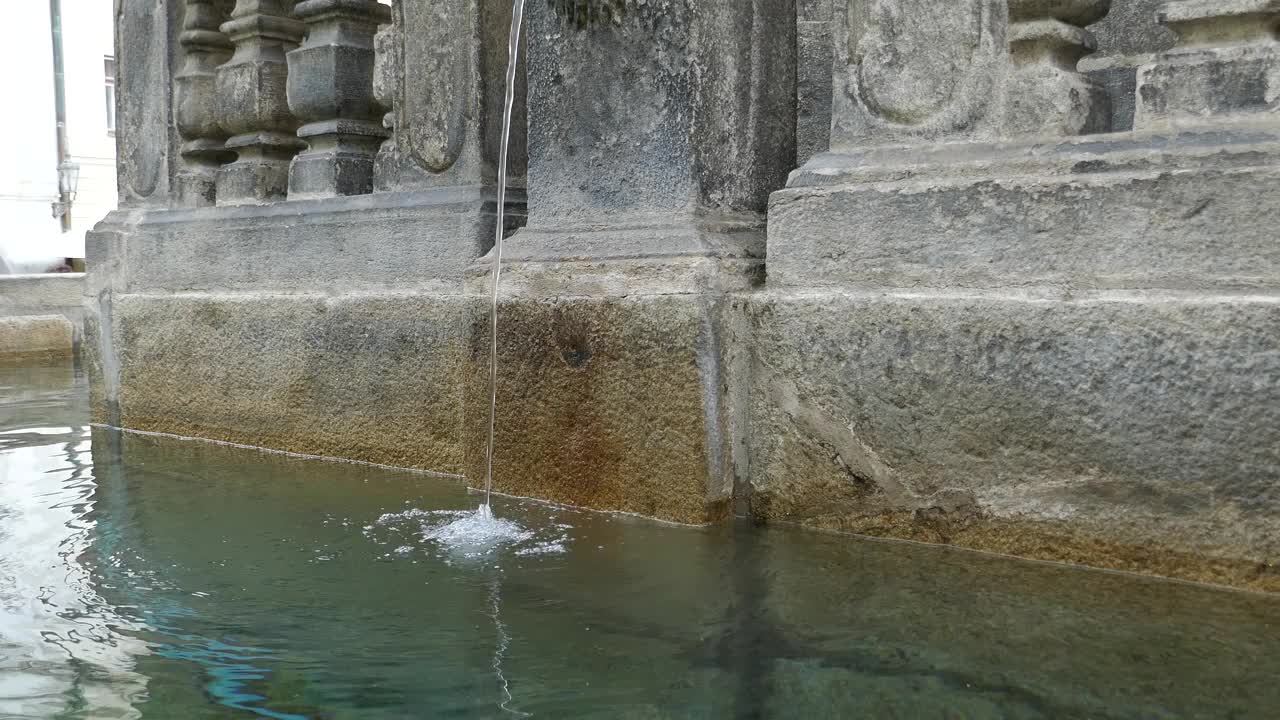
(599, 406)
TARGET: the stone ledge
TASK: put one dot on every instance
(411, 240)
(1254, 144)
(35, 338)
(1185, 229)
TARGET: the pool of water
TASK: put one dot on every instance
(144, 577)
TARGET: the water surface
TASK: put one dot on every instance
(144, 577)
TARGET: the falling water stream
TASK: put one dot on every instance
(513, 54)
(497, 527)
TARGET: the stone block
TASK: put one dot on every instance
(370, 377)
(36, 338)
(682, 108)
(422, 240)
(1226, 65)
(611, 403)
(1124, 215)
(1135, 431)
(813, 88)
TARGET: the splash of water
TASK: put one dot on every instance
(513, 55)
(465, 535)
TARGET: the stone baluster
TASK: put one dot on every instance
(252, 104)
(1225, 67)
(1046, 94)
(204, 48)
(331, 91)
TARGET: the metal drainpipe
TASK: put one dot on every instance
(60, 110)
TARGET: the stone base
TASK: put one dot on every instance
(1132, 432)
(1209, 86)
(36, 338)
(332, 328)
(1064, 352)
(411, 240)
(614, 381)
(1136, 211)
(370, 377)
(606, 403)
(43, 294)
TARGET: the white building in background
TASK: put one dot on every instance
(31, 236)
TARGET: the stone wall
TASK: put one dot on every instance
(40, 316)
(995, 273)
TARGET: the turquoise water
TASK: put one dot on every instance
(151, 578)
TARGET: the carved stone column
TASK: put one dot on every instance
(1226, 65)
(1047, 95)
(252, 104)
(204, 48)
(331, 91)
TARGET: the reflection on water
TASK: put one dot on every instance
(151, 578)
(61, 647)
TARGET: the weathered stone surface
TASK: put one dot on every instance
(1127, 37)
(1134, 431)
(606, 403)
(1225, 66)
(441, 71)
(814, 58)
(918, 69)
(1151, 228)
(35, 338)
(146, 137)
(195, 100)
(371, 377)
(330, 90)
(1131, 29)
(44, 294)
(406, 241)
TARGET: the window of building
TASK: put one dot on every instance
(109, 73)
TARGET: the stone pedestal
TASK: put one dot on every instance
(1029, 344)
(440, 74)
(1047, 95)
(655, 135)
(1225, 67)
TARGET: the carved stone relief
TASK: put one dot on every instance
(918, 68)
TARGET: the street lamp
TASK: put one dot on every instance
(68, 181)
